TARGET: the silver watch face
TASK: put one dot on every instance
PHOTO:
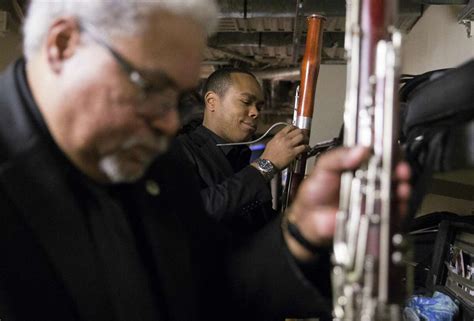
(266, 166)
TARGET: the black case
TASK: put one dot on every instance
(437, 124)
(437, 131)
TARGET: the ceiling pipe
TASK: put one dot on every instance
(235, 55)
(277, 9)
(268, 39)
(297, 29)
(290, 73)
(279, 74)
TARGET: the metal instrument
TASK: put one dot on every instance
(368, 246)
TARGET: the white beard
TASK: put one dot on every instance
(118, 170)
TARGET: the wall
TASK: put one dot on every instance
(437, 41)
(329, 105)
(10, 48)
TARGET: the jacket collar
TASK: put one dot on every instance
(213, 154)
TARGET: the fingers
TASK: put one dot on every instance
(341, 159)
(290, 136)
(403, 191)
(293, 135)
(403, 172)
(287, 129)
(300, 149)
(402, 175)
(290, 131)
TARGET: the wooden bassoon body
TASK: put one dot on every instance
(304, 100)
(368, 246)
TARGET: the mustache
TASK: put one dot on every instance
(251, 123)
(151, 144)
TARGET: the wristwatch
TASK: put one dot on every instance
(266, 168)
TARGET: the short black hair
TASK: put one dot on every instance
(219, 81)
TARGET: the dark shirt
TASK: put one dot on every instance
(112, 228)
(237, 155)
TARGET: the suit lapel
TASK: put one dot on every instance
(35, 184)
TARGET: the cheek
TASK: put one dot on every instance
(109, 121)
(230, 123)
(116, 129)
(234, 128)
(232, 115)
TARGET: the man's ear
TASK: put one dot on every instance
(211, 100)
(62, 41)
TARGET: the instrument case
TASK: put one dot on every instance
(444, 258)
(437, 124)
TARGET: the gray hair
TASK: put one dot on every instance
(112, 17)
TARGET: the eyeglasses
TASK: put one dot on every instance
(153, 99)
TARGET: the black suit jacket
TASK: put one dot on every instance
(241, 200)
(48, 270)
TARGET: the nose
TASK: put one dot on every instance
(254, 112)
(167, 123)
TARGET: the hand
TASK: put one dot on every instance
(285, 146)
(317, 201)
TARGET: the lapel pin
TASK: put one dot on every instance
(152, 188)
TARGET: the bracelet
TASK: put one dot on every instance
(296, 234)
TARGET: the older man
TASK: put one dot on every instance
(92, 227)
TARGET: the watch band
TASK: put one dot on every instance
(296, 234)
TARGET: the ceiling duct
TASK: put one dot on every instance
(271, 34)
(279, 74)
(245, 9)
(268, 39)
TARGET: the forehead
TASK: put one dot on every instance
(170, 44)
(244, 83)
